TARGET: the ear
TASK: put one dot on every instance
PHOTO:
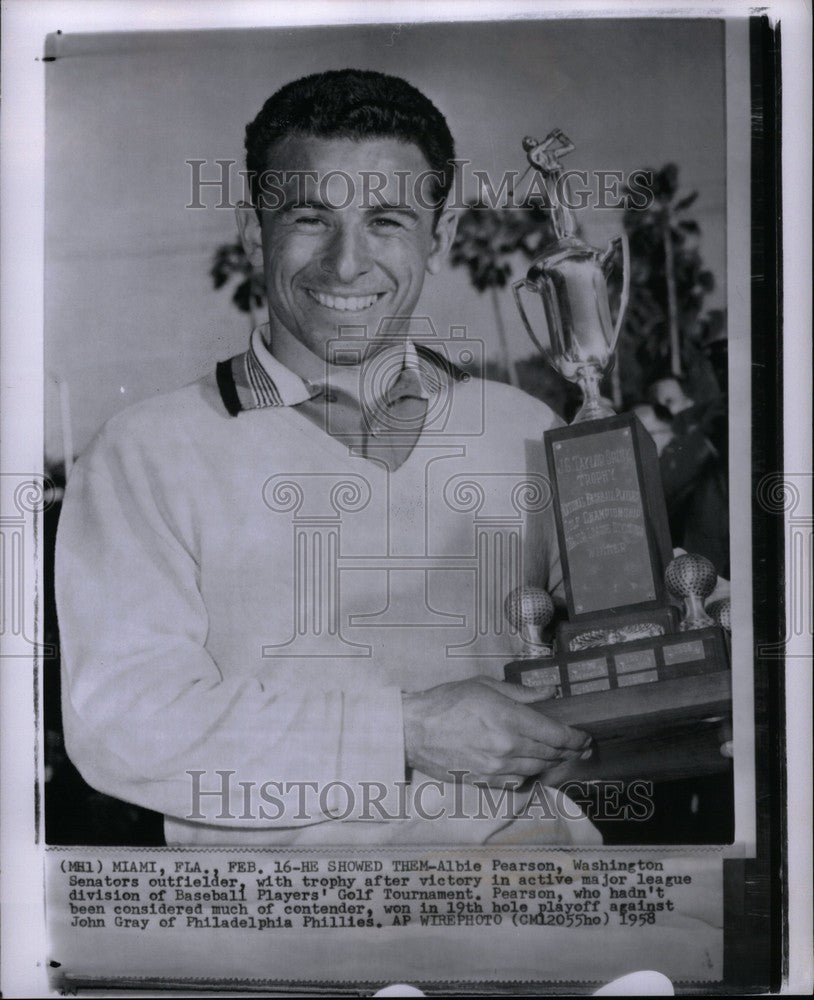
(442, 239)
(251, 234)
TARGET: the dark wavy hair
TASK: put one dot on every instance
(352, 104)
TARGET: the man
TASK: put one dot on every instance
(694, 470)
(669, 393)
(267, 581)
(657, 421)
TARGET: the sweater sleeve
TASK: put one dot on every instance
(148, 715)
(543, 557)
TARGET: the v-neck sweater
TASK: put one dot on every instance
(245, 594)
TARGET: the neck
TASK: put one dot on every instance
(295, 355)
(310, 367)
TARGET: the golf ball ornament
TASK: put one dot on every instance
(692, 578)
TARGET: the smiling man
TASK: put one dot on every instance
(339, 250)
(278, 586)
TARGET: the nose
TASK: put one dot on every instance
(347, 256)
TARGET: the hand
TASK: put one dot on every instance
(725, 738)
(488, 729)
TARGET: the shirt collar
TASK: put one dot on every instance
(256, 379)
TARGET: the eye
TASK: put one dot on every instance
(308, 221)
(387, 223)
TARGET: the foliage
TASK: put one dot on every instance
(229, 262)
(657, 233)
(485, 241)
(488, 237)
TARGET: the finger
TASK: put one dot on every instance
(508, 780)
(520, 692)
(531, 766)
(526, 766)
(540, 728)
(555, 757)
(531, 758)
(544, 751)
(527, 695)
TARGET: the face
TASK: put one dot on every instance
(670, 395)
(661, 432)
(335, 252)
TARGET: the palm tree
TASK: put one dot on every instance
(486, 240)
(668, 281)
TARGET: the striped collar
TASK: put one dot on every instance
(255, 379)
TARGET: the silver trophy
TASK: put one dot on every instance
(571, 279)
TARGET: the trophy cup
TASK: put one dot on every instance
(571, 279)
(629, 672)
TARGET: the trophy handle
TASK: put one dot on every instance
(523, 283)
(607, 256)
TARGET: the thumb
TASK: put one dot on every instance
(519, 692)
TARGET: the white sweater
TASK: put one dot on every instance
(192, 644)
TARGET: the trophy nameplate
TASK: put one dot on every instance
(651, 690)
(611, 518)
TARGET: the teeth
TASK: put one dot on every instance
(352, 303)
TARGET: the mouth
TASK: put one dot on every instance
(345, 303)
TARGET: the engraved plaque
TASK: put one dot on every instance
(646, 677)
(610, 514)
(585, 687)
(541, 677)
(684, 652)
(640, 659)
(586, 670)
(603, 521)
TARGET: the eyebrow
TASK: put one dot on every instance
(397, 209)
(307, 204)
(315, 205)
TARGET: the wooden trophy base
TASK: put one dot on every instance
(573, 637)
(654, 706)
